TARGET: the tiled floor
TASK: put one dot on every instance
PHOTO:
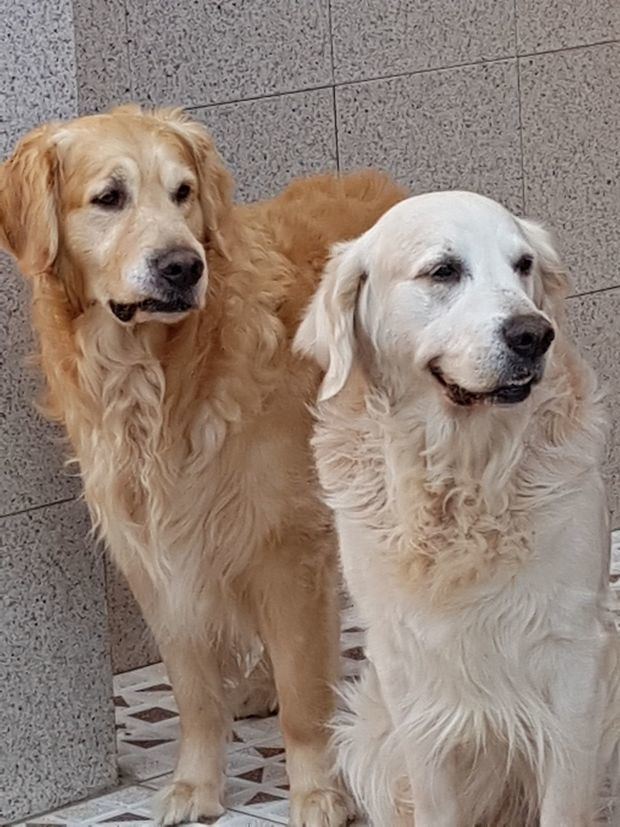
(148, 729)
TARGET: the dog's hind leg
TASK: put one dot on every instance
(296, 604)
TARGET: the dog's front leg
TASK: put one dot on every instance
(569, 789)
(295, 597)
(198, 784)
(193, 667)
(432, 778)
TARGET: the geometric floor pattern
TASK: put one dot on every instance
(147, 725)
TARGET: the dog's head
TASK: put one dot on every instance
(122, 205)
(449, 292)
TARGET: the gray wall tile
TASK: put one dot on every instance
(37, 66)
(56, 714)
(594, 322)
(433, 130)
(132, 642)
(268, 142)
(194, 52)
(454, 128)
(570, 104)
(102, 54)
(33, 451)
(373, 38)
(544, 25)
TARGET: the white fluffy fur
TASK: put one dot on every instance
(474, 540)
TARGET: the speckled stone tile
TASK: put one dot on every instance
(56, 714)
(147, 726)
(595, 324)
(11, 132)
(193, 52)
(268, 142)
(37, 66)
(132, 642)
(257, 788)
(102, 54)
(372, 38)
(543, 25)
(33, 451)
(454, 128)
(570, 103)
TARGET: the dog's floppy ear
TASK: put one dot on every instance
(327, 332)
(216, 183)
(554, 279)
(28, 214)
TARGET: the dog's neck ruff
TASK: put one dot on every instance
(451, 497)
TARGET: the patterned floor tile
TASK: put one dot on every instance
(257, 786)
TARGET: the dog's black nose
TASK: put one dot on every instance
(528, 336)
(180, 267)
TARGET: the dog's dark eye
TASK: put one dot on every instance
(446, 271)
(524, 265)
(182, 193)
(111, 199)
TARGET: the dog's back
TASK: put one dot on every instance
(309, 217)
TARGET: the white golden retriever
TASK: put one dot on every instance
(459, 441)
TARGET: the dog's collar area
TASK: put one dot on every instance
(509, 394)
(126, 312)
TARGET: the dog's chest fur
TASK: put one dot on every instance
(465, 539)
(453, 504)
(176, 477)
(464, 552)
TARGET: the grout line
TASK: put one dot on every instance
(569, 48)
(331, 39)
(594, 292)
(334, 108)
(426, 71)
(19, 511)
(128, 40)
(394, 75)
(76, 63)
(337, 135)
(259, 817)
(520, 115)
(253, 98)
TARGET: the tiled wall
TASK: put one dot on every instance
(54, 637)
(518, 99)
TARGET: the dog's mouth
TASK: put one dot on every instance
(509, 394)
(126, 312)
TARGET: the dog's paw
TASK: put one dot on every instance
(320, 808)
(181, 802)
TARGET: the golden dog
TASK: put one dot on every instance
(165, 316)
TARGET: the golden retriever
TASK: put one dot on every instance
(165, 316)
(459, 442)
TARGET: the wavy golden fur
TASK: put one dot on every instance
(191, 429)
